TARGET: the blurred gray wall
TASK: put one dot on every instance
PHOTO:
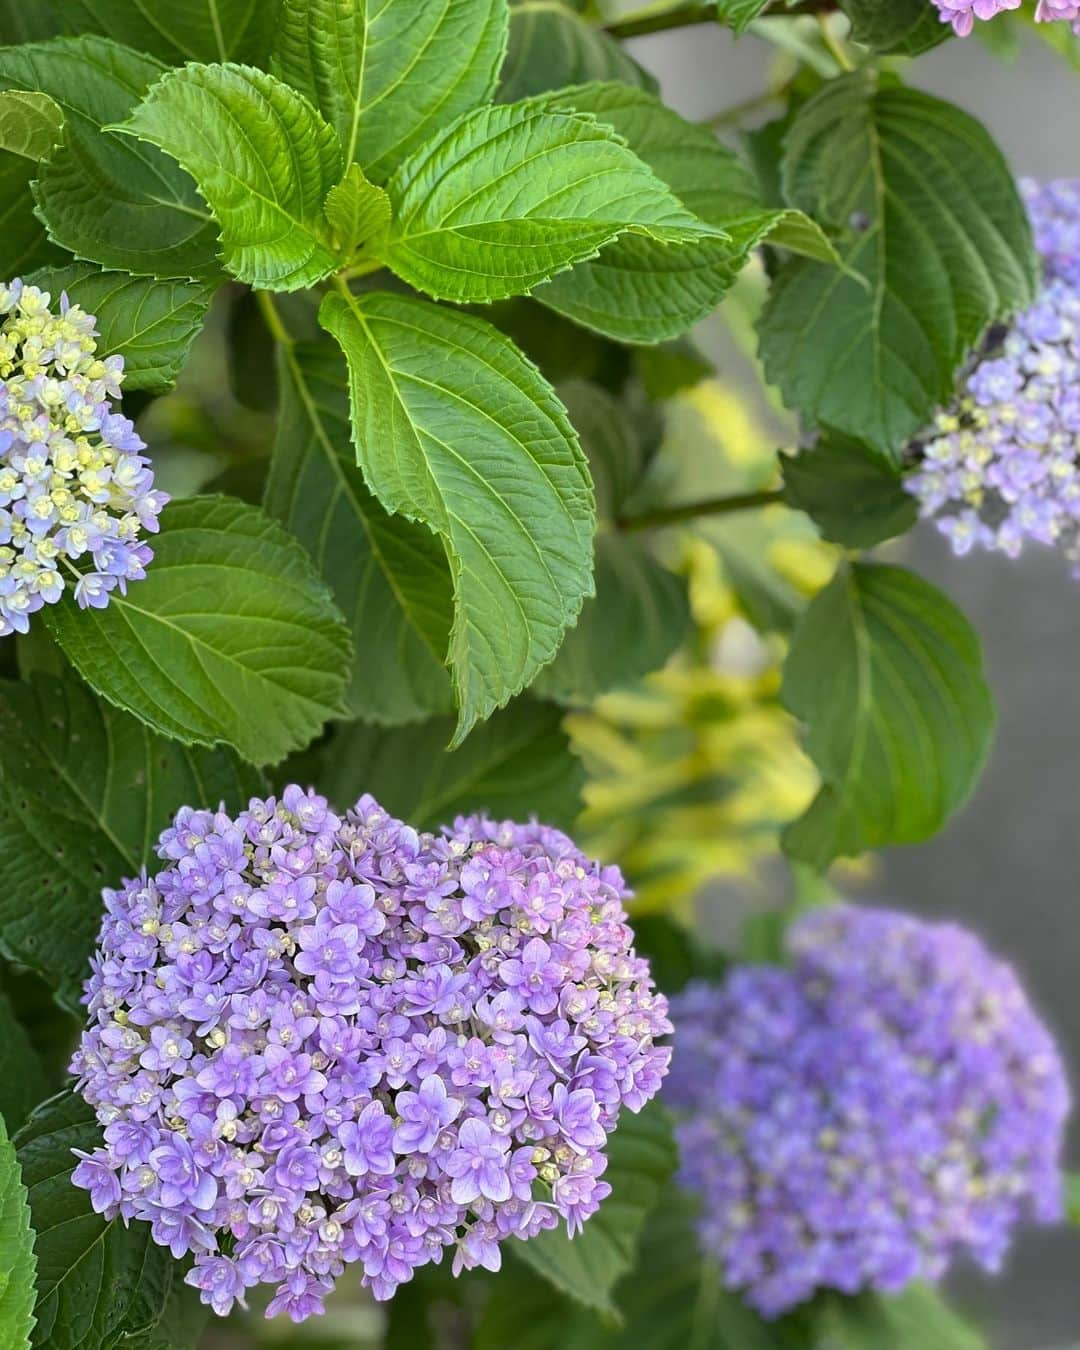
(1009, 865)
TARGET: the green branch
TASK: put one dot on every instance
(710, 506)
(659, 23)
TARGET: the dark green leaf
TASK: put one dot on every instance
(516, 765)
(23, 242)
(388, 75)
(17, 1260)
(675, 954)
(28, 21)
(739, 14)
(232, 636)
(669, 368)
(510, 195)
(190, 30)
(896, 27)
(853, 495)
(104, 197)
(515, 512)
(150, 323)
(552, 47)
(389, 575)
(928, 213)
(84, 792)
(98, 1282)
(887, 675)
(31, 124)
(642, 1156)
(23, 1081)
(915, 1319)
(646, 289)
(262, 157)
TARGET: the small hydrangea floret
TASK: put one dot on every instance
(75, 491)
(1001, 466)
(963, 13)
(318, 1040)
(859, 1117)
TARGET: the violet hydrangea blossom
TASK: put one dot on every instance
(319, 1040)
(963, 13)
(857, 1118)
(75, 491)
(1001, 467)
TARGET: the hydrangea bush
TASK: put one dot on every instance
(359, 431)
(860, 1117)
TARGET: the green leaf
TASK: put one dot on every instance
(453, 427)
(263, 158)
(84, 792)
(641, 1158)
(610, 439)
(31, 124)
(552, 47)
(98, 1282)
(104, 197)
(637, 620)
(929, 215)
(512, 194)
(23, 22)
(23, 1081)
(192, 30)
(915, 1319)
(887, 675)
(151, 324)
(389, 575)
(647, 290)
(518, 764)
(17, 1260)
(896, 27)
(676, 955)
(23, 242)
(232, 636)
(739, 14)
(853, 495)
(356, 211)
(669, 368)
(388, 74)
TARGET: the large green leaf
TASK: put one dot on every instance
(518, 764)
(510, 195)
(23, 242)
(17, 1260)
(853, 495)
(23, 22)
(389, 575)
(31, 124)
(23, 1081)
(232, 636)
(104, 197)
(387, 74)
(886, 674)
(263, 158)
(552, 47)
(897, 27)
(150, 323)
(84, 792)
(929, 215)
(192, 30)
(647, 290)
(641, 1158)
(453, 427)
(98, 1282)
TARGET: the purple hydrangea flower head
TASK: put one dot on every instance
(75, 491)
(857, 1118)
(318, 1040)
(1001, 466)
(963, 13)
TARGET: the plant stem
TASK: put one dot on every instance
(835, 46)
(361, 269)
(710, 506)
(659, 23)
(270, 314)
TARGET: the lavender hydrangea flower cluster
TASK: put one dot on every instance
(856, 1118)
(1002, 466)
(963, 13)
(318, 1040)
(74, 490)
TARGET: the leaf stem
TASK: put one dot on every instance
(835, 46)
(273, 319)
(660, 22)
(709, 506)
(361, 269)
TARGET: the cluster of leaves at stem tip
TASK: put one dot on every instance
(457, 248)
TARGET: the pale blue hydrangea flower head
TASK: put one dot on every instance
(318, 1040)
(76, 494)
(1001, 467)
(857, 1118)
